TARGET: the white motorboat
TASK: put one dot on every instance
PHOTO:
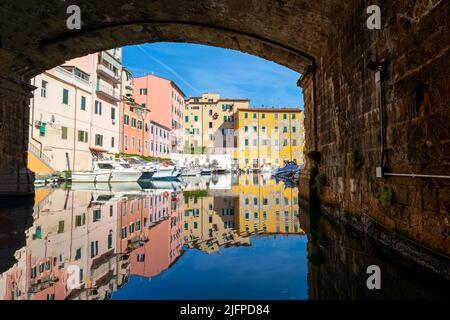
(85, 176)
(119, 171)
(166, 171)
(147, 169)
(191, 172)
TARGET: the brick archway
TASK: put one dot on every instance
(327, 41)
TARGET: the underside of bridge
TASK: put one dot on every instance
(353, 123)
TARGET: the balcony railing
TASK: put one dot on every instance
(104, 70)
(39, 154)
(110, 93)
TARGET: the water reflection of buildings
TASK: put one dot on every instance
(112, 235)
(266, 206)
(106, 235)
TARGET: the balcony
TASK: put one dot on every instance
(107, 72)
(108, 92)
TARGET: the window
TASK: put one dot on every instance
(44, 88)
(80, 220)
(113, 113)
(143, 91)
(110, 239)
(276, 115)
(65, 99)
(83, 103)
(94, 249)
(97, 215)
(263, 115)
(246, 128)
(293, 116)
(133, 122)
(186, 119)
(294, 129)
(246, 115)
(294, 142)
(98, 108)
(210, 125)
(284, 116)
(255, 115)
(196, 118)
(246, 142)
(124, 232)
(64, 133)
(61, 226)
(78, 254)
(126, 119)
(139, 124)
(112, 142)
(98, 140)
(82, 136)
(140, 257)
(255, 128)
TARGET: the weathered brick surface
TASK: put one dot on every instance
(414, 40)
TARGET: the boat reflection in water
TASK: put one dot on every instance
(240, 237)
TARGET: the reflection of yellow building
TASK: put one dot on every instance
(268, 136)
(210, 123)
(267, 207)
(210, 222)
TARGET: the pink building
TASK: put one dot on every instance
(165, 100)
(160, 137)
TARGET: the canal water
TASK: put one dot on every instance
(219, 237)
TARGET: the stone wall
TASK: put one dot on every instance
(414, 42)
(15, 178)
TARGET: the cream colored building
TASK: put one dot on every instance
(60, 118)
(210, 123)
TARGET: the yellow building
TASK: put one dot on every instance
(210, 222)
(268, 137)
(266, 207)
(210, 123)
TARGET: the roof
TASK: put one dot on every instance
(160, 125)
(171, 82)
(271, 109)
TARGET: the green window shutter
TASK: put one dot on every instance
(65, 96)
(113, 113)
(42, 129)
(80, 136)
(83, 103)
(86, 136)
(64, 133)
(61, 226)
(186, 118)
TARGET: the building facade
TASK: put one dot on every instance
(165, 100)
(74, 113)
(60, 118)
(268, 137)
(106, 96)
(210, 124)
(134, 120)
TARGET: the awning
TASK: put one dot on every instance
(99, 150)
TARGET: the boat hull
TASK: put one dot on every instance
(86, 177)
(125, 176)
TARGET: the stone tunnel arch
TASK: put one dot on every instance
(325, 40)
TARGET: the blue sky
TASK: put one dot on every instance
(233, 74)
